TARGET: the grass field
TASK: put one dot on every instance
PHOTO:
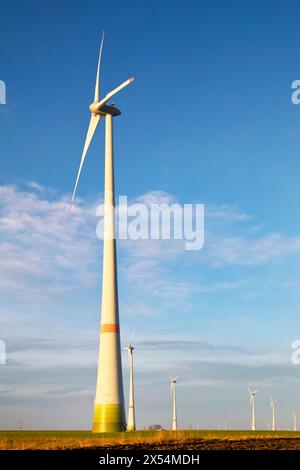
(151, 440)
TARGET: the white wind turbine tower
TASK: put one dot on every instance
(295, 414)
(253, 410)
(109, 411)
(174, 404)
(272, 407)
(131, 406)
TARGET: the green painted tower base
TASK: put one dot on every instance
(109, 418)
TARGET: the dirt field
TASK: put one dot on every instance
(166, 440)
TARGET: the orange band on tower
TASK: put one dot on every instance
(110, 328)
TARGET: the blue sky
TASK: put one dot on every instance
(209, 119)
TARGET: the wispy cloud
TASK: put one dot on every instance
(227, 214)
(34, 185)
(246, 251)
(67, 368)
(50, 257)
(44, 249)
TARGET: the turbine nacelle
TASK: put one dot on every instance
(273, 402)
(252, 393)
(129, 348)
(108, 108)
(173, 381)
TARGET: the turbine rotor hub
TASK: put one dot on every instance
(93, 108)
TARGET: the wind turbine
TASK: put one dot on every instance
(174, 405)
(109, 411)
(252, 405)
(295, 414)
(272, 407)
(131, 408)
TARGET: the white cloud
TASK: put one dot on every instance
(227, 214)
(44, 248)
(156, 197)
(36, 186)
(246, 251)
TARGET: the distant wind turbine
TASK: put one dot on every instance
(131, 407)
(295, 414)
(174, 404)
(273, 403)
(253, 411)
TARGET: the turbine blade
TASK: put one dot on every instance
(131, 338)
(91, 130)
(113, 92)
(97, 85)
